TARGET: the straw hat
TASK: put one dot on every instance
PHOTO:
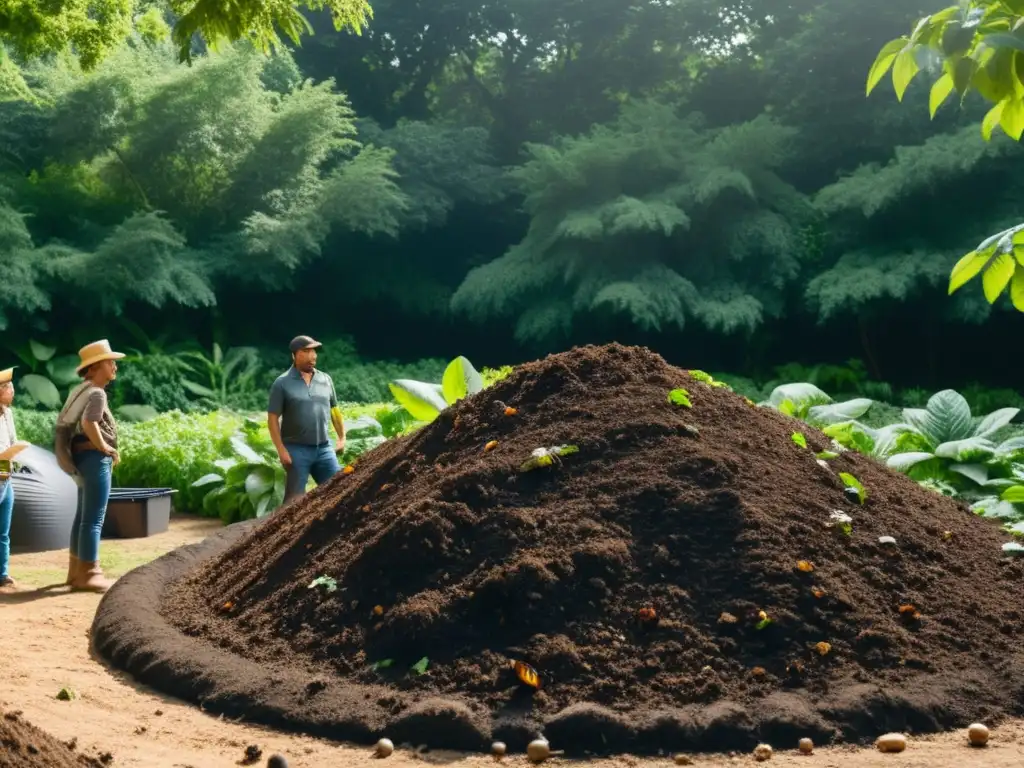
(7, 375)
(96, 352)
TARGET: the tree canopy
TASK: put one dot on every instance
(505, 179)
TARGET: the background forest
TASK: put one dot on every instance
(501, 180)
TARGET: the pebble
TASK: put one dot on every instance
(977, 734)
(887, 540)
(762, 752)
(498, 749)
(385, 747)
(538, 750)
(682, 759)
(277, 761)
(806, 746)
(891, 742)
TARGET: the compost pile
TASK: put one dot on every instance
(22, 745)
(678, 574)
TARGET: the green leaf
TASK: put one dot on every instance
(967, 269)
(259, 483)
(976, 473)
(1011, 119)
(826, 455)
(42, 390)
(1017, 289)
(946, 417)
(198, 389)
(992, 119)
(966, 449)
(852, 482)
(799, 439)
(901, 462)
(1014, 494)
(941, 89)
(883, 61)
(832, 413)
(63, 369)
(680, 396)
(460, 379)
(244, 450)
(964, 71)
(265, 505)
(424, 401)
(41, 351)
(420, 667)
(382, 664)
(1004, 40)
(995, 421)
(903, 71)
(998, 275)
(209, 479)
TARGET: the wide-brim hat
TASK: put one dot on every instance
(96, 352)
(7, 374)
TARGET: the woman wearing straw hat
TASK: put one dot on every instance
(94, 453)
(9, 448)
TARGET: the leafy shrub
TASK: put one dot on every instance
(155, 380)
(173, 450)
(35, 426)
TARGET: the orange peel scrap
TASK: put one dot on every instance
(348, 470)
(526, 674)
(491, 445)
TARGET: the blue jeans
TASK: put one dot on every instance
(94, 471)
(318, 460)
(6, 510)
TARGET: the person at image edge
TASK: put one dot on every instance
(87, 415)
(303, 405)
(8, 449)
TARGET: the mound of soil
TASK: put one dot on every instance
(22, 745)
(676, 582)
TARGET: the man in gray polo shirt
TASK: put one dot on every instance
(302, 406)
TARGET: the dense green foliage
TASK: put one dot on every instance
(90, 30)
(505, 179)
(980, 46)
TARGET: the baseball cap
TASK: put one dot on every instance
(304, 342)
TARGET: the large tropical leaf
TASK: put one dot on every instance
(832, 413)
(460, 379)
(424, 401)
(995, 421)
(42, 390)
(901, 462)
(946, 417)
(798, 393)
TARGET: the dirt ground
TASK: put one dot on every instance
(46, 650)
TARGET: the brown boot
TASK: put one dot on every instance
(73, 565)
(90, 578)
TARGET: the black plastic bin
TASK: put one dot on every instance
(135, 513)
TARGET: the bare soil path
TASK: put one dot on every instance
(45, 649)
